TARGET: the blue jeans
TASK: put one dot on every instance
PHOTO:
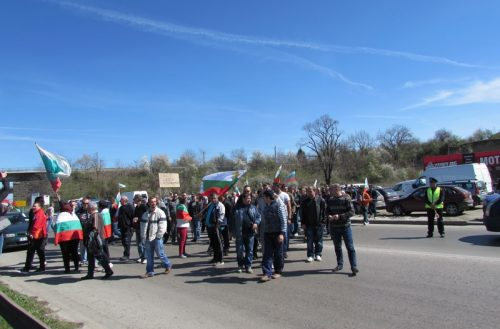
(296, 222)
(116, 229)
(196, 229)
(364, 209)
(273, 254)
(244, 250)
(140, 244)
(152, 247)
(339, 233)
(314, 240)
(1, 243)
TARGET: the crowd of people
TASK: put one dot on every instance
(263, 220)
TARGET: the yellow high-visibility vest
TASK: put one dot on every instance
(433, 197)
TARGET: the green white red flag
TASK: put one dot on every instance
(277, 175)
(181, 212)
(220, 182)
(56, 167)
(291, 179)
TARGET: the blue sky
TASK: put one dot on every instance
(129, 79)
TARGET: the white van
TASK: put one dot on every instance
(472, 171)
(404, 188)
(130, 195)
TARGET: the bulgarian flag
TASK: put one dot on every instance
(277, 175)
(291, 179)
(181, 212)
(56, 166)
(220, 182)
(106, 219)
(67, 227)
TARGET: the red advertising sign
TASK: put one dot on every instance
(491, 158)
(443, 160)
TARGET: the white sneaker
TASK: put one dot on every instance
(240, 269)
(218, 264)
(110, 265)
(144, 261)
(139, 260)
(317, 258)
(309, 259)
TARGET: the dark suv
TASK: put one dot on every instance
(456, 200)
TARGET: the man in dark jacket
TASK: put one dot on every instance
(313, 218)
(125, 217)
(194, 208)
(339, 212)
(139, 209)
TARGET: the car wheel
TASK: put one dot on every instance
(452, 209)
(397, 210)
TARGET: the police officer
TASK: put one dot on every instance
(434, 198)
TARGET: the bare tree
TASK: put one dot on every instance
(361, 141)
(323, 138)
(394, 140)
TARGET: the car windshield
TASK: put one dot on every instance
(16, 217)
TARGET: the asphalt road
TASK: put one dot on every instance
(405, 281)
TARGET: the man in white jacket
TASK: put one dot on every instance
(153, 226)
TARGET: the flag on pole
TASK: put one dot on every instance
(117, 198)
(315, 183)
(120, 185)
(56, 166)
(220, 182)
(237, 190)
(366, 182)
(291, 178)
(277, 175)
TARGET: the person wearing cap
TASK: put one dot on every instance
(273, 226)
(434, 205)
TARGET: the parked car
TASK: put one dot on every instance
(475, 187)
(491, 216)
(456, 200)
(389, 194)
(15, 235)
(404, 188)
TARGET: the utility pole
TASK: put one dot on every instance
(275, 155)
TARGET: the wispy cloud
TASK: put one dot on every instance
(16, 138)
(324, 70)
(381, 117)
(185, 32)
(420, 83)
(477, 93)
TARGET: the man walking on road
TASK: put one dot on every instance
(125, 217)
(153, 226)
(339, 212)
(273, 226)
(313, 216)
(434, 198)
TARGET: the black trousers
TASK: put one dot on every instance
(216, 243)
(126, 241)
(103, 259)
(431, 213)
(69, 250)
(225, 237)
(38, 246)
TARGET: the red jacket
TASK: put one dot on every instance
(39, 228)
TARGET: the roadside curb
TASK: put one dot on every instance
(418, 222)
(16, 316)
